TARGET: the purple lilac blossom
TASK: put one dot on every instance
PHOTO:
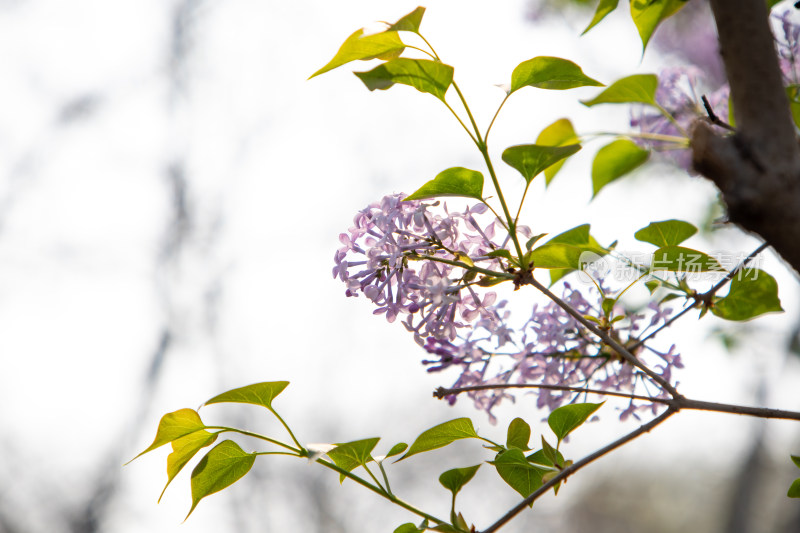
(389, 257)
(677, 94)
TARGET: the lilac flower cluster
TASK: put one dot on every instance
(404, 256)
(553, 349)
(400, 255)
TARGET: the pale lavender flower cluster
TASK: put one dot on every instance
(554, 349)
(399, 254)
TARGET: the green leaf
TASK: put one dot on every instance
(256, 394)
(442, 435)
(362, 47)
(533, 240)
(456, 478)
(648, 14)
(752, 293)
(614, 160)
(550, 453)
(603, 8)
(795, 460)
(639, 88)
(772, 3)
(517, 472)
(397, 449)
(173, 426)
(424, 75)
(565, 249)
(666, 233)
(183, 449)
(557, 255)
(409, 22)
(559, 133)
(568, 417)
(550, 73)
(519, 433)
(455, 181)
(794, 490)
(531, 159)
(680, 259)
(408, 527)
(350, 455)
(223, 466)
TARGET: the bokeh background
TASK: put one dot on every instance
(171, 194)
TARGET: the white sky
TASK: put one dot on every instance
(276, 166)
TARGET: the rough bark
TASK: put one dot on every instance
(757, 169)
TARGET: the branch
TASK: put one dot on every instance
(757, 168)
(441, 392)
(564, 474)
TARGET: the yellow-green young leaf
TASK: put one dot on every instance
(796, 460)
(453, 480)
(680, 259)
(456, 181)
(752, 293)
(648, 14)
(531, 159)
(567, 418)
(636, 89)
(603, 8)
(409, 22)
(173, 426)
(550, 73)
(442, 435)
(397, 449)
(426, 76)
(408, 527)
(559, 133)
(518, 435)
(517, 472)
(615, 160)
(350, 455)
(256, 394)
(361, 47)
(183, 450)
(794, 490)
(223, 466)
(666, 232)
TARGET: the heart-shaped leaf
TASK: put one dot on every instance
(362, 47)
(426, 76)
(456, 181)
(639, 88)
(531, 159)
(223, 466)
(550, 73)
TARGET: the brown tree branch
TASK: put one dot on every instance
(757, 169)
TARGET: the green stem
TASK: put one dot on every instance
(286, 427)
(385, 478)
(223, 429)
(486, 135)
(377, 490)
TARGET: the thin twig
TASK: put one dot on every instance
(568, 471)
(442, 392)
(614, 345)
(713, 118)
(705, 297)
